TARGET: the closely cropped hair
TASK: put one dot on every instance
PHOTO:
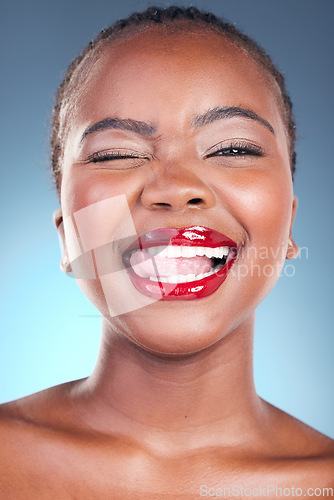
(165, 18)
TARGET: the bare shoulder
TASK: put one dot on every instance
(34, 436)
(32, 418)
(301, 451)
(43, 406)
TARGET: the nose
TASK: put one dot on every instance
(175, 187)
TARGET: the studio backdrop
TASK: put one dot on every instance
(49, 332)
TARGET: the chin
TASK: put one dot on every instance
(180, 330)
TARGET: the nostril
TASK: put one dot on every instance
(162, 204)
(195, 201)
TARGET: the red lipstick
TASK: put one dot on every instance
(179, 263)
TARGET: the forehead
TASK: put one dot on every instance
(146, 75)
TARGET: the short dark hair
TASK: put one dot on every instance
(166, 17)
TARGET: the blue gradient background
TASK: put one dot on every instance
(49, 330)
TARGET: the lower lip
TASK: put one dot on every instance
(181, 291)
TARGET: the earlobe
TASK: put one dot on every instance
(293, 249)
(65, 265)
(57, 217)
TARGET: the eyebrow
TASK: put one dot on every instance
(138, 127)
(145, 129)
(229, 112)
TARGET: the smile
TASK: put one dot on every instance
(180, 263)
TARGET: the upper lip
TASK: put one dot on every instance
(199, 236)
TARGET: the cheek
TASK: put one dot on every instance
(98, 228)
(261, 201)
(268, 207)
(82, 187)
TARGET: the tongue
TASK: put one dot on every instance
(146, 265)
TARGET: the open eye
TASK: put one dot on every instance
(236, 149)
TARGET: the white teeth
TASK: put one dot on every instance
(178, 251)
(181, 278)
(225, 251)
(188, 252)
(216, 252)
(175, 251)
(154, 250)
(201, 251)
(208, 252)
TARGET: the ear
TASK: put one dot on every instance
(293, 249)
(65, 265)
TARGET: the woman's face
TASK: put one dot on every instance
(181, 132)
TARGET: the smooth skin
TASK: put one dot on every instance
(171, 404)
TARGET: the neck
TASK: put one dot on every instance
(142, 394)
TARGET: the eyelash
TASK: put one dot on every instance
(102, 156)
(237, 149)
